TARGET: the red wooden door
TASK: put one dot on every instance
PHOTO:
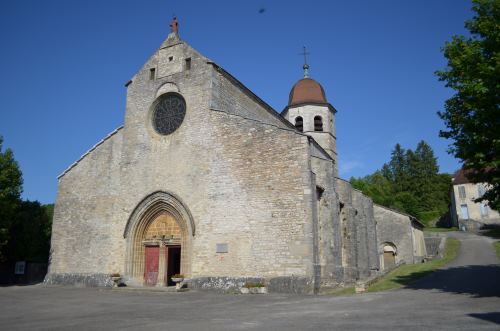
(151, 265)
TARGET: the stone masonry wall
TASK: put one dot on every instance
(347, 214)
(359, 257)
(368, 262)
(329, 245)
(244, 176)
(225, 87)
(419, 247)
(87, 198)
(395, 228)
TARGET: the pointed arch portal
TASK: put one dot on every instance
(158, 237)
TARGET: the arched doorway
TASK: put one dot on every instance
(389, 255)
(159, 234)
(162, 244)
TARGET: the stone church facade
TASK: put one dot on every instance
(207, 180)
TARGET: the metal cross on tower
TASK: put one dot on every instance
(305, 66)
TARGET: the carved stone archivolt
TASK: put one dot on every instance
(160, 218)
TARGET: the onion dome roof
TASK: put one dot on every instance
(306, 90)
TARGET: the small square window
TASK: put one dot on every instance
(170, 58)
(152, 73)
(20, 268)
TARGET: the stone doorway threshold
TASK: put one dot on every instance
(158, 289)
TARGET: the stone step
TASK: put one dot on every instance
(145, 289)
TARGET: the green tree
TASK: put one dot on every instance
(25, 226)
(424, 170)
(10, 191)
(376, 186)
(409, 182)
(30, 238)
(47, 229)
(472, 114)
(398, 168)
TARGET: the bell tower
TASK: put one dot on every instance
(310, 112)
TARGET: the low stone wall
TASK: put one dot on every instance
(294, 285)
(432, 246)
(221, 284)
(475, 226)
(79, 280)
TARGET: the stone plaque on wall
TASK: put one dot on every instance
(222, 248)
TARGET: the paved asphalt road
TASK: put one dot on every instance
(463, 296)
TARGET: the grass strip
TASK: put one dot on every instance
(496, 244)
(408, 273)
(432, 229)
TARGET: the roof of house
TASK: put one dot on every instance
(460, 177)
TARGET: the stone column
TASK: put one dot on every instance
(161, 266)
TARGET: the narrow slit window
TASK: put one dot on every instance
(299, 123)
(170, 58)
(152, 73)
(319, 192)
(188, 64)
(318, 123)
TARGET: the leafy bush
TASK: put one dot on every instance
(177, 276)
(252, 285)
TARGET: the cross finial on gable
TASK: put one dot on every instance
(174, 26)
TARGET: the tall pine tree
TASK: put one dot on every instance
(409, 182)
(11, 182)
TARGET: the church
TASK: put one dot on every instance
(206, 180)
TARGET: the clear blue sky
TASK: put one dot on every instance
(64, 63)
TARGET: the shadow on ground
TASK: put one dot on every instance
(490, 317)
(475, 280)
(20, 284)
(493, 233)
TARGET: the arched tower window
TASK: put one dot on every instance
(318, 123)
(299, 123)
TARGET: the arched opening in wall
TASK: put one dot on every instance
(389, 255)
(158, 235)
(299, 123)
(318, 123)
(162, 244)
